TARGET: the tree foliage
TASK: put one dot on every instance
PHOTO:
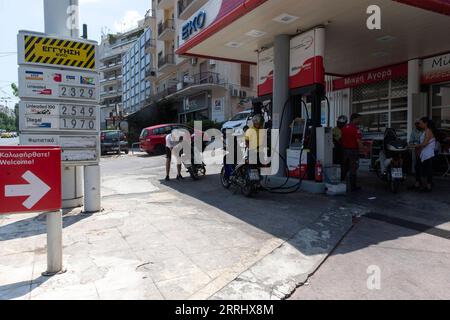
(7, 123)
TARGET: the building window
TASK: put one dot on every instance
(245, 75)
(383, 105)
(440, 105)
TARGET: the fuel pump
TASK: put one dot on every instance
(314, 94)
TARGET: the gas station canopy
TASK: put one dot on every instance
(235, 30)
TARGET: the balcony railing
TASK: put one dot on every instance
(196, 79)
(111, 65)
(167, 25)
(168, 59)
(182, 5)
(202, 78)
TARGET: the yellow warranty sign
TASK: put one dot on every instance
(43, 50)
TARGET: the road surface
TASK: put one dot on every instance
(9, 142)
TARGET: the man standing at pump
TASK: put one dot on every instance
(172, 140)
(351, 143)
(337, 139)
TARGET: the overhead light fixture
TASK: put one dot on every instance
(234, 44)
(285, 18)
(256, 33)
(386, 38)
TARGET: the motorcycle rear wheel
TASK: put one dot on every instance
(248, 190)
(224, 180)
(194, 174)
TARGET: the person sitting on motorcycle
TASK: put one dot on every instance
(254, 139)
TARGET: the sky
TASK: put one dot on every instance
(108, 15)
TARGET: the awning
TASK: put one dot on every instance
(238, 28)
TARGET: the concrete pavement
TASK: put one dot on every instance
(399, 250)
(408, 267)
(187, 240)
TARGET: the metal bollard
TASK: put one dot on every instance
(54, 244)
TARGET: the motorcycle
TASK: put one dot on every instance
(390, 164)
(194, 169)
(246, 177)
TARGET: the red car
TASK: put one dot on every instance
(153, 139)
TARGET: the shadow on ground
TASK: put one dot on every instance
(35, 226)
(20, 289)
(284, 215)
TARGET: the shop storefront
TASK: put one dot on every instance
(440, 104)
(195, 108)
(380, 96)
(436, 74)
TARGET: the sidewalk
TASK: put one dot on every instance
(178, 240)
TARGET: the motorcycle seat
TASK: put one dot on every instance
(397, 145)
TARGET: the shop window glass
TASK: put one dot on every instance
(399, 103)
(399, 88)
(436, 98)
(441, 116)
(371, 91)
(382, 105)
(399, 122)
(376, 122)
(371, 106)
(440, 101)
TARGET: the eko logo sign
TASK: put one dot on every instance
(194, 25)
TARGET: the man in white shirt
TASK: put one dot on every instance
(171, 142)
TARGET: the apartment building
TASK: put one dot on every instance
(136, 63)
(201, 88)
(112, 49)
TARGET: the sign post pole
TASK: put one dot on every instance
(54, 244)
(92, 202)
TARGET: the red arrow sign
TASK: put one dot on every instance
(30, 179)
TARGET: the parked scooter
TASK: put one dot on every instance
(194, 170)
(389, 166)
(245, 177)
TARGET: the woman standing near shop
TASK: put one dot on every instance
(426, 150)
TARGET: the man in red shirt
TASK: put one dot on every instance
(351, 143)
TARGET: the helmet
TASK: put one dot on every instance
(342, 120)
(257, 119)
